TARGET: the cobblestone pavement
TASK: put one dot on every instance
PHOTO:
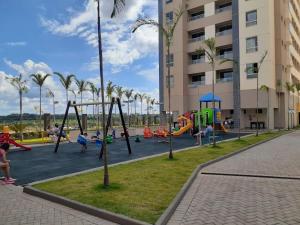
(220, 199)
(17, 208)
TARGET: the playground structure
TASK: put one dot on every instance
(108, 123)
(5, 137)
(195, 120)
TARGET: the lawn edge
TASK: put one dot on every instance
(122, 219)
(165, 217)
(91, 210)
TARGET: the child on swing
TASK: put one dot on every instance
(82, 139)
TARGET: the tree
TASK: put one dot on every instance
(135, 97)
(257, 70)
(266, 89)
(210, 50)
(148, 100)
(21, 86)
(50, 94)
(128, 94)
(98, 93)
(168, 30)
(289, 88)
(66, 82)
(110, 88)
(93, 90)
(297, 88)
(82, 87)
(142, 96)
(40, 79)
(279, 87)
(117, 6)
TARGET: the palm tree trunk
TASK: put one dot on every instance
(169, 99)
(214, 105)
(106, 176)
(141, 112)
(21, 115)
(257, 105)
(67, 96)
(41, 110)
(81, 104)
(288, 110)
(268, 117)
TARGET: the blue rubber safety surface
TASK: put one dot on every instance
(42, 163)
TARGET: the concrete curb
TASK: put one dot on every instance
(120, 219)
(100, 213)
(165, 217)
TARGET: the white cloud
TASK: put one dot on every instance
(121, 48)
(18, 43)
(151, 74)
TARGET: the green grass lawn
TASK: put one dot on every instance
(143, 189)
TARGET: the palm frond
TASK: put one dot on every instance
(117, 7)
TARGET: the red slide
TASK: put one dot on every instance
(5, 138)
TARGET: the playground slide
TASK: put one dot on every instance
(184, 129)
(223, 128)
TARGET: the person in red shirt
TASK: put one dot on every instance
(4, 164)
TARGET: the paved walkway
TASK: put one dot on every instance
(259, 186)
(17, 208)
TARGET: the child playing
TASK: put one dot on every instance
(4, 164)
(82, 140)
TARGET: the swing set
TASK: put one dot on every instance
(108, 122)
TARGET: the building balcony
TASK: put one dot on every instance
(223, 9)
(197, 39)
(226, 55)
(197, 61)
(196, 17)
(224, 32)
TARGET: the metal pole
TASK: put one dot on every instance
(62, 127)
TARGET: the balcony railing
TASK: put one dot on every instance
(192, 18)
(223, 9)
(201, 38)
(224, 80)
(224, 32)
(197, 61)
(226, 55)
(197, 83)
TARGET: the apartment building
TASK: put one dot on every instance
(244, 30)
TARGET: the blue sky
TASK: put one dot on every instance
(47, 36)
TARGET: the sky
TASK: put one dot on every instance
(41, 36)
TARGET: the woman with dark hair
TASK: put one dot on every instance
(4, 164)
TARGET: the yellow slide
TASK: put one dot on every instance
(184, 129)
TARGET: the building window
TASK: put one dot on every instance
(199, 36)
(171, 81)
(224, 76)
(168, 1)
(170, 60)
(223, 6)
(251, 44)
(169, 17)
(197, 79)
(251, 18)
(251, 70)
(197, 58)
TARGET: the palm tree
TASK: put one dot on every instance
(50, 94)
(266, 89)
(110, 88)
(297, 87)
(142, 96)
(98, 93)
(40, 79)
(119, 93)
(152, 102)
(20, 84)
(135, 97)
(279, 87)
(289, 88)
(93, 90)
(148, 100)
(128, 94)
(82, 87)
(75, 94)
(117, 6)
(257, 70)
(168, 31)
(211, 52)
(66, 82)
